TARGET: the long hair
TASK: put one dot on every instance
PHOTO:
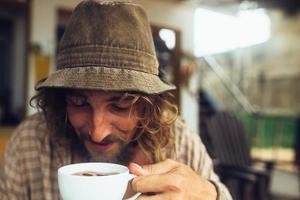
(157, 114)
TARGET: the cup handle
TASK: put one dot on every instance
(130, 177)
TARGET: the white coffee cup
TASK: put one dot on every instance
(107, 187)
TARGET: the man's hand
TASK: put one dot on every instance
(170, 180)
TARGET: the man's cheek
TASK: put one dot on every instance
(77, 121)
(76, 124)
(129, 124)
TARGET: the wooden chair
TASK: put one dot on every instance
(232, 159)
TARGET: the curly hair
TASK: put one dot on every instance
(155, 120)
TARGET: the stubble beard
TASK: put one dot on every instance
(122, 154)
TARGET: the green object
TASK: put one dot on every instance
(267, 130)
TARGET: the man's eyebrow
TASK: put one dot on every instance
(121, 97)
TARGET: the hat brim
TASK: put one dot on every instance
(107, 79)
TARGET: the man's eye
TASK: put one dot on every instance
(120, 108)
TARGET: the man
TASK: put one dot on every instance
(106, 103)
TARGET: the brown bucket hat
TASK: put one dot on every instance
(107, 45)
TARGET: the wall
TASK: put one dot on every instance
(271, 77)
(171, 14)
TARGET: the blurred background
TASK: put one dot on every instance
(235, 64)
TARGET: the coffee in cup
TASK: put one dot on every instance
(91, 173)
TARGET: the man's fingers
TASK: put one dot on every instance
(155, 183)
(151, 197)
(161, 167)
(137, 170)
(158, 168)
(160, 196)
(156, 178)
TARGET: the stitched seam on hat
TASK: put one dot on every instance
(112, 67)
(153, 72)
(103, 66)
(91, 71)
(105, 57)
(92, 53)
(74, 62)
(111, 47)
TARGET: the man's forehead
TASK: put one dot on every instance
(111, 96)
(93, 92)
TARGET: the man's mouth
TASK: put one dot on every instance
(100, 147)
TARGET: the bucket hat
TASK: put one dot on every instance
(107, 45)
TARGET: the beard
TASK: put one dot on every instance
(121, 154)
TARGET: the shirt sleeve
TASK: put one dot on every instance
(191, 151)
(13, 181)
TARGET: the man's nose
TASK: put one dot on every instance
(101, 126)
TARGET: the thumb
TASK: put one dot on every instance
(137, 170)
(157, 168)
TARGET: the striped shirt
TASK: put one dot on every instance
(31, 161)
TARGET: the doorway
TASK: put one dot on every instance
(14, 23)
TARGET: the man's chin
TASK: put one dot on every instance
(104, 157)
(101, 148)
(120, 154)
(109, 156)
